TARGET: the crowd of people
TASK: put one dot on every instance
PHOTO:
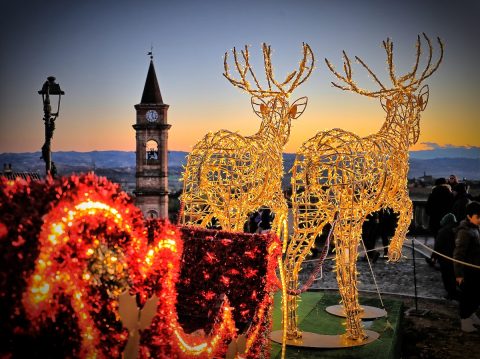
(454, 221)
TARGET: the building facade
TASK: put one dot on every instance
(151, 132)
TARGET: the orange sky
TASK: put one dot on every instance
(102, 67)
(351, 112)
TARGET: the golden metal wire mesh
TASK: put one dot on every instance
(227, 175)
(340, 177)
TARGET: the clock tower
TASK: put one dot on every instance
(151, 129)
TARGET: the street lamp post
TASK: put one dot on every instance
(49, 88)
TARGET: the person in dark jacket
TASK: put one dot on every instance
(439, 203)
(467, 249)
(445, 244)
(387, 224)
(378, 224)
(460, 200)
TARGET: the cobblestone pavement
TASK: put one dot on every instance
(395, 278)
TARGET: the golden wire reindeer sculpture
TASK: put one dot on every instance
(227, 175)
(339, 178)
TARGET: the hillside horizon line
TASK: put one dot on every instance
(436, 165)
(436, 153)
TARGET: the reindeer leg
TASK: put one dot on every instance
(291, 279)
(402, 205)
(346, 239)
(293, 262)
(299, 247)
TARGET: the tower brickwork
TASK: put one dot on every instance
(151, 128)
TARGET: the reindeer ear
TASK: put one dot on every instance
(298, 107)
(259, 106)
(386, 103)
(423, 97)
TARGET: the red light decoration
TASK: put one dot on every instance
(157, 273)
(56, 294)
(69, 247)
(243, 269)
(85, 243)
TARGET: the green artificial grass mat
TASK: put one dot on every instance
(313, 318)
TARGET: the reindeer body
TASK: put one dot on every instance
(334, 172)
(230, 183)
(339, 178)
(229, 176)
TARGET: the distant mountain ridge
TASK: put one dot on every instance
(448, 151)
(71, 161)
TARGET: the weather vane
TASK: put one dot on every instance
(150, 53)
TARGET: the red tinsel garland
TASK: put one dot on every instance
(85, 245)
(70, 246)
(238, 265)
(56, 261)
(158, 274)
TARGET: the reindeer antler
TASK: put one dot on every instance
(428, 70)
(405, 83)
(294, 79)
(352, 86)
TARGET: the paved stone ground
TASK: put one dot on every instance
(395, 278)
(434, 335)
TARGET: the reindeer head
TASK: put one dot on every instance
(276, 114)
(271, 104)
(405, 100)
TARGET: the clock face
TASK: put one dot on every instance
(151, 116)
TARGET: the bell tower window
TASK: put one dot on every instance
(152, 150)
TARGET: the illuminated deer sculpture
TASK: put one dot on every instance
(227, 175)
(339, 178)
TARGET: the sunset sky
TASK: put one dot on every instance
(98, 52)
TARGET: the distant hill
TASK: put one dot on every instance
(68, 162)
(447, 151)
(82, 161)
(468, 168)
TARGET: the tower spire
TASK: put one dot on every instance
(151, 91)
